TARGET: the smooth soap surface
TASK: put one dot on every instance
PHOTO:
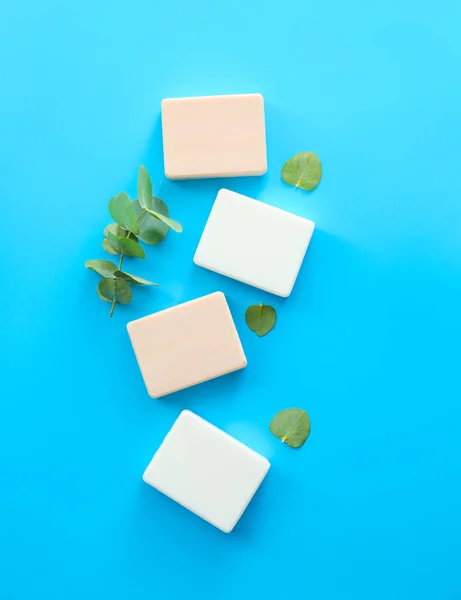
(186, 344)
(206, 470)
(253, 242)
(214, 136)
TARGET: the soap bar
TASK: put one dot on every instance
(206, 470)
(187, 344)
(254, 242)
(214, 136)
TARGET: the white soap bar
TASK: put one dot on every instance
(206, 470)
(254, 242)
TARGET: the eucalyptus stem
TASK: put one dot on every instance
(120, 263)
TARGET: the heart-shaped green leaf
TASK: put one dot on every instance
(304, 171)
(122, 212)
(124, 246)
(260, 318)
(292, 426)
(115, 290)
(144, 188)
(175, 226)
(151, 230)
(134, 279)
(102, 267)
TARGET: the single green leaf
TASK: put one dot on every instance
(304, 171)
(122, 212)
(124, 246)
(107, 247)
(292, 426)
(134, 279)
(115, 290)
(144, 188)
(260, 318)
(101, 296)
(151, 230)
(103, 267)
(175, 226)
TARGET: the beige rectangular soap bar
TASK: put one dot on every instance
(214, 136)
(187, 344)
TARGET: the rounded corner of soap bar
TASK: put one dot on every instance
(171, 175)
(227, 528)
(267, 464)
(187, 414)
(263, 170)
(220, 295)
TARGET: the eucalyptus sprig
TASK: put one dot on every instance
(146, 219)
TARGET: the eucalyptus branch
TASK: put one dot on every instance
(146, 219)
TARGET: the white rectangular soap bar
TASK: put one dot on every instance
(214, 136)
(186, 344)
(254, 242)
(206, 470)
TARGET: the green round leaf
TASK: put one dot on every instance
(114, 290)
(122, 212)
(133, 278)
(107, 247)
(103, 267)
(292, 426)
(151, 230)
(144, 188)
(304, 171)
(260, 318)
(174, 225)
(124, 246)
(101, 296)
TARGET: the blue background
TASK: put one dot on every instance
(368, 343)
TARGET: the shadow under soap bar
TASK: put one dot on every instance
(214, 136)
(186, 345)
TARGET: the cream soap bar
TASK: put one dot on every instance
(206, 470)
(187, 344)
(214, 136)
(254, 243)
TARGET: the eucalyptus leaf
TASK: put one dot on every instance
(144, 188)
(260, 318)
(122, 212)
(102, 267)
(101, 296)
(124, 246)
(115, 290)
(151, 230)
(134, 279)
(292, 426)
(304, 171)
(107, 247)
(175, 226)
